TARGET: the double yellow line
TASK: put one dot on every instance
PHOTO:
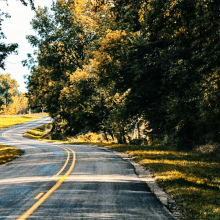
(59, 179)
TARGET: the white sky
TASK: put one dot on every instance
(16, 28)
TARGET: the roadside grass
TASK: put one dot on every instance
(191, 178)
(36, 133)
(43, 133)
(11, 120)
(10, 153)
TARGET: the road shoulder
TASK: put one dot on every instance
(147, 177)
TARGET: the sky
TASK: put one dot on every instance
(16, 28)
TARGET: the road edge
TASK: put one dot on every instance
(147, 177)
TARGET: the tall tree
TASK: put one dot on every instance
(62, 40)
(119, 62)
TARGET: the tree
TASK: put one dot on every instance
(7, 49)
(19, 105)
(61, 41)
(121, 62)
(161, 64)
(24, 2)
(8, 89)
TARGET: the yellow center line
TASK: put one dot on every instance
(39, 195)
(68, 153)
(46, 195)
(65, 164)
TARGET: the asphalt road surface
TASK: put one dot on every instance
(54, 181)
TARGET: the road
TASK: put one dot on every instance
(54, 181)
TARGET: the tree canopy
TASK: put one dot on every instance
(124, 67)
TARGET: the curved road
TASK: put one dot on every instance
(54, 181)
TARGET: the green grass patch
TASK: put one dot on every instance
(11, 120)
(9, 153)
(36, 133)
(192, 178)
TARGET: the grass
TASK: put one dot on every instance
(10, 153)
(11, 120)
(191, 178)
(36, 133)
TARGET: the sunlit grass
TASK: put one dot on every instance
(8, 153)
(11, 120)
(43, 133)
(192, 178)
(34, 133)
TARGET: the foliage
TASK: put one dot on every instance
(169, 27)
(8, 89)
(105, 66)
(7, 49)
(11, 101)
(24, 2)
(19, 105)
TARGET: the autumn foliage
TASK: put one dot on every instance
(132, 70)
(11, 101)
